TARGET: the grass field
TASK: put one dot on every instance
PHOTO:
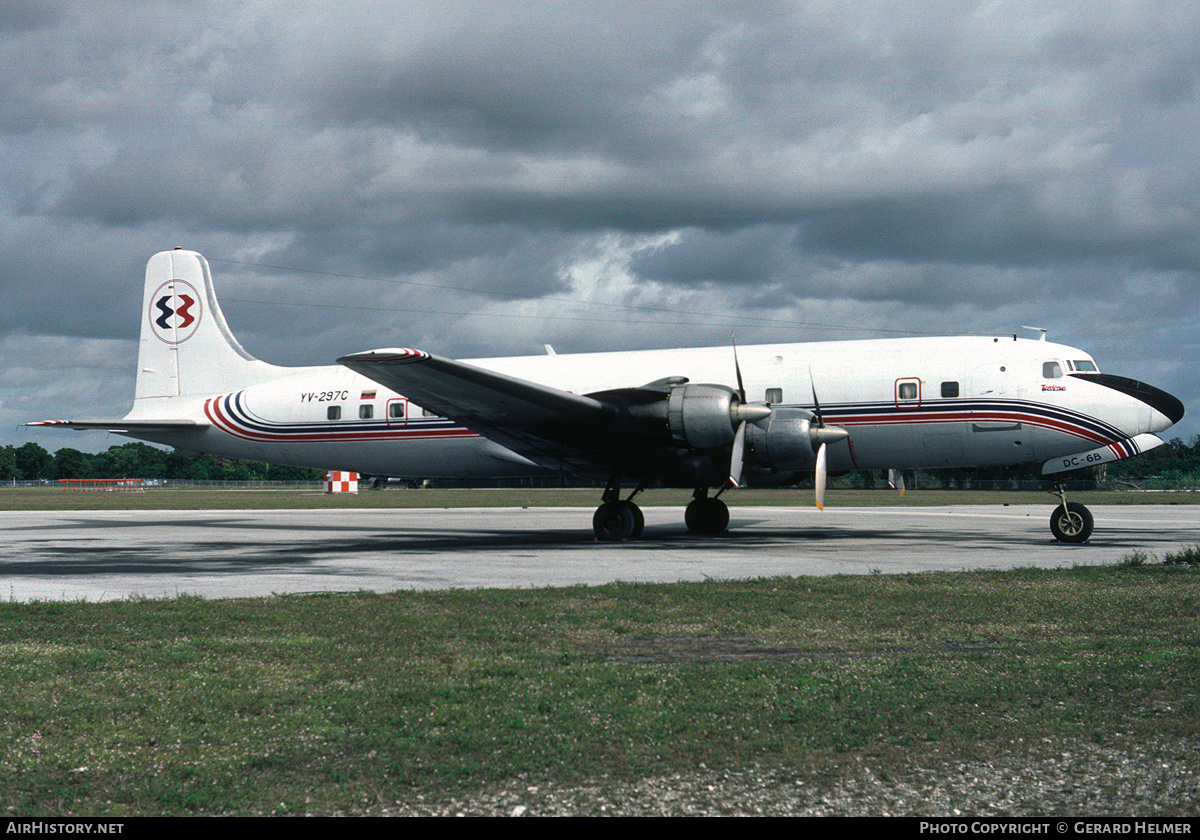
(338, 704)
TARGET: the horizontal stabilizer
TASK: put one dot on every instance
(1118, 451)
(120, 426)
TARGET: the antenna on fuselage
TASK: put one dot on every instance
(1042, 330)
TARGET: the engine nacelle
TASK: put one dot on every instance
(705, 419)
(785, 442)
(702, 416)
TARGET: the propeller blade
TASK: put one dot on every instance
(737, 368)
(819, 475)
(896, 480)
(816, 402)
(736, 456)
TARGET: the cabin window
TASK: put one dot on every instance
(908, 392)
(774, 396)
(396, 410)
(425, 412)
(1051, 370)
(949, 390)
(1084, 365)
(334, 412)
(366, 412)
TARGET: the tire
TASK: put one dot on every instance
(639, 520)
(1072, 524)
(616, 521)
(706, 516)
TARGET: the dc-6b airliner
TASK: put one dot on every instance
(670, 417)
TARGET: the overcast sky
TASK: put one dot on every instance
(484, 178)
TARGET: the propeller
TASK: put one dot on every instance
(822, 436)
(744, 413)
(738, 454)
(819, 474)
(896, 480)
(737, 368)
(820, 471)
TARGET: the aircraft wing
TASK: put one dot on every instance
(544, 424)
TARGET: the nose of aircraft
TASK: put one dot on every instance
(1168, 409)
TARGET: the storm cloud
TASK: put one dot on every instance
(485, 178)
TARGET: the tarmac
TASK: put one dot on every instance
(102, 555)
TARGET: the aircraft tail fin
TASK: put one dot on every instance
(186, 348)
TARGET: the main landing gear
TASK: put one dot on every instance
(1071, 522)
(620, 519)
(706, 515)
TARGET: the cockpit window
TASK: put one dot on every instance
(1051, 370)
(1085, 365)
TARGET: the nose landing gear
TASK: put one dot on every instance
(1071, 522)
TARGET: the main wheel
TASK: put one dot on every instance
(639, 519)
(1072, 524)
(615, 521)
(706, 516)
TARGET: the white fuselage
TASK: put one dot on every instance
(672, 416)
(906, 403)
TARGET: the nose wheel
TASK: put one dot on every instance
(1071, 522)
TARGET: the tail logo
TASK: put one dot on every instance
(175, 311)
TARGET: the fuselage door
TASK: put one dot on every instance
(993, 379)
(996, 428)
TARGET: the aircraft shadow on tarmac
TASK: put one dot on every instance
(316, 548)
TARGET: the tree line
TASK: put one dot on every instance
(31, 462)
(1173, 465)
